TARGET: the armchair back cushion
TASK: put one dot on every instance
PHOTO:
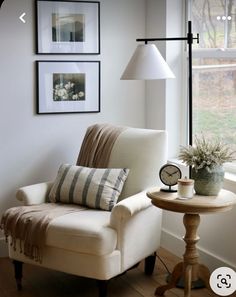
(143, 151)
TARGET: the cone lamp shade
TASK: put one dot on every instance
(147, 64)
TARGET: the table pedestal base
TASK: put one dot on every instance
(189, 270)
(176, 279)
(197, 284)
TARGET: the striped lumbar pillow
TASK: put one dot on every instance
(92, 187)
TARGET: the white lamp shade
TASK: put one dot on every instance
(146, 64)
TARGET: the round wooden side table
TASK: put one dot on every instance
(190, 269)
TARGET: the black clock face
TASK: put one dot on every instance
(169, 174)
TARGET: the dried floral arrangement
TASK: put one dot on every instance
(206, 153)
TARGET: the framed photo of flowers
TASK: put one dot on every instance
(68, 87)
(68, 27)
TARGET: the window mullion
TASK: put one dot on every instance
(226, 25)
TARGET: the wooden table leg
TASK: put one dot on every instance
(175, 276)
(188, 281)
(191, 223)
(189, 268)
(204, 275)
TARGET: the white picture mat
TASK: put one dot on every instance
(46, 104)
(44, 24)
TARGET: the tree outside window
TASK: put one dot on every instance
(214, 69)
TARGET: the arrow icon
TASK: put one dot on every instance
(22, 17)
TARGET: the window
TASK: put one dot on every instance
(214, 69)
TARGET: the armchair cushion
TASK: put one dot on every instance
(86, 231)
(93, 187)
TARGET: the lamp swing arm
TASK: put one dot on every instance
(189, 38)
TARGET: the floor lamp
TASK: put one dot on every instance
(148, 64)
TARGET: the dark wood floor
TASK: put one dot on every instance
(41, 282)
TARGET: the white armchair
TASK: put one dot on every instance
(101, 244)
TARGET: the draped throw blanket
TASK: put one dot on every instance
(97, 145)
(28, 224)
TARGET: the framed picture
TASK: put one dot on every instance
(68, 27)
(68, 86)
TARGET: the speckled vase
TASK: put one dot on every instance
(208, 183)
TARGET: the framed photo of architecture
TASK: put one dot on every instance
(68, 27)
(68, 86)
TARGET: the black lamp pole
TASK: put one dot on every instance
(189, 38)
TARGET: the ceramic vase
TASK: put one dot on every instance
(208, 183)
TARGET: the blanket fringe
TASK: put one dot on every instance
(26, 226)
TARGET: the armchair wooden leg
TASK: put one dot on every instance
(18, 273)
(102, 288)
(150, 264)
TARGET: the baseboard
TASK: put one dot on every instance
(176, 246)
(3, 248)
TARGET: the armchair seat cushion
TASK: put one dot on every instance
(86, 231)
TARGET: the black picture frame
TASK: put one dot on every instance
(68, 87)
(67, 27)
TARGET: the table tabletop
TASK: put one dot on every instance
(198, 204)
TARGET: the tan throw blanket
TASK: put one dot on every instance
(29, 225)
(97, 145)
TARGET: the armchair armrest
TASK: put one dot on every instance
(138, 226)
(34, 194)
(128, 207)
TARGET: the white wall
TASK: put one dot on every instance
(165, 109)
(164, 97)
(33, 146)
(175, 93)
(156, 89)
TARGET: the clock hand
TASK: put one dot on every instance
(174, 172)
(167, 173)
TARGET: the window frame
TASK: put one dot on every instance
(217, 53)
